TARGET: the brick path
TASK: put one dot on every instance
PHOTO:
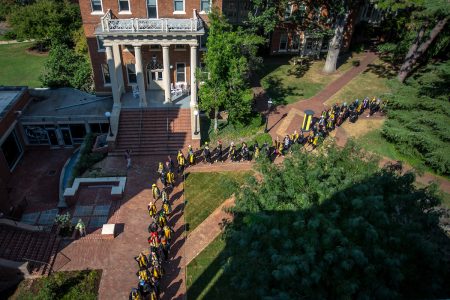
(207, 231)
(115, 257)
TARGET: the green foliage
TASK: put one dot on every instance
(6, 7)
(419, 117)
(66, 68)
(80, 41)
(48, 21)
(87, 157)
(331, 226)
(229, 59)
(63, 221)
(63, 285)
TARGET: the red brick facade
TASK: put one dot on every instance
(138, 9)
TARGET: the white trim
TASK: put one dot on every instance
(124, 12)
(97, 12)
(176, 72)
(202, 12)
(176, 12)
(157, 12)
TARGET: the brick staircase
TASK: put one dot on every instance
(22, 245)
(154, 131)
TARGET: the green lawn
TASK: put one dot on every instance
(205, 192)
(61, 285)
(254, 131)
(369, 83)
(285, 83)
(17, 67)
(205, 279)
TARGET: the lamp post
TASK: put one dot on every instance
(196, 121)
(108, 116)
(269, 106)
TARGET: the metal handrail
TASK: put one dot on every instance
(140, 127)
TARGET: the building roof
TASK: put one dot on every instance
(65, 103)
(8, 96)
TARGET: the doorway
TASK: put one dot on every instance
(67, 137)
(155, 79)
(52, 136)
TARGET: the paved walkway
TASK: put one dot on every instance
(15, 42)
(208, 230)
(115, 257)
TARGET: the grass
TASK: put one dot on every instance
(369, 83)
(253, 131)
(286, 83)
(18, 67)
(61, 285)
(205, 279)
(206, 191)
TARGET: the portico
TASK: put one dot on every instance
(147, 42)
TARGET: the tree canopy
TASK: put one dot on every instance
(230, 57)
(332, 226)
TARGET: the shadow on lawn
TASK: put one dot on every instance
(252, 262)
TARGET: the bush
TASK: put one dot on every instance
(10, 35)
(87, 157)
(356, 63)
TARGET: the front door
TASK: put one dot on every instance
(52, 136)
(155, 79)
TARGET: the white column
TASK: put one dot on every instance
(118, 66)
(112, 75)
(140, 76)
(166, 75)
(193, 76)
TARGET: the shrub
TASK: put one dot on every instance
(87, 157)
(356, 63)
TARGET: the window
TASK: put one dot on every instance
(124, 5)
(205, 6)
(181, 72)
(100, 45)
(283, 42)
(180, 47)
(106, 77)
(78, 131)
(12, 150)
(295, 42)
(288, 12)
(131, 72)
(152, 9)
(178, 5)
(96, 5)
(99, 127)
(157, 76)
(155, 48)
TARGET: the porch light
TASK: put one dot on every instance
(108, 116)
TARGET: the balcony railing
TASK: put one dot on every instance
(111, 24)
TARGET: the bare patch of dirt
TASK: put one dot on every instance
(362, 126)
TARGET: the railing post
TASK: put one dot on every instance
(192, 24)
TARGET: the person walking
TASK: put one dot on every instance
(219, 151)
(206, 154)
(81, 228)
(181, 162)
(128, 158)
(155, 192)
(191, 156)
(151, 208)
(165, 247)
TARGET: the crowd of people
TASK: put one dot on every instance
(320, 126)
(150, 263)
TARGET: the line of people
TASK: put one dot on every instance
(151, 268)
(320, 128)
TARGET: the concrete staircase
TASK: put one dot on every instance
(38, 248)
(154, 131)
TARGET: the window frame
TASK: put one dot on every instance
(100, 46)
(184, 72)
(122, 11)
(297, 35)
(286, 42)
(96, 11)
(156, 6)
(102, 66)
(179, 11)
(202, 11)
(128, 75)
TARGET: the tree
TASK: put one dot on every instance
(428, 19)
(46, 21)
(65, 68)
(227, 69)
(332, 226)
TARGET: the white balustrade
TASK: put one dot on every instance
(110, 24)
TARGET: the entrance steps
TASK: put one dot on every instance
(154, 131)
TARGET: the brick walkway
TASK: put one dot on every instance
(207, 231)
(115, 257)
